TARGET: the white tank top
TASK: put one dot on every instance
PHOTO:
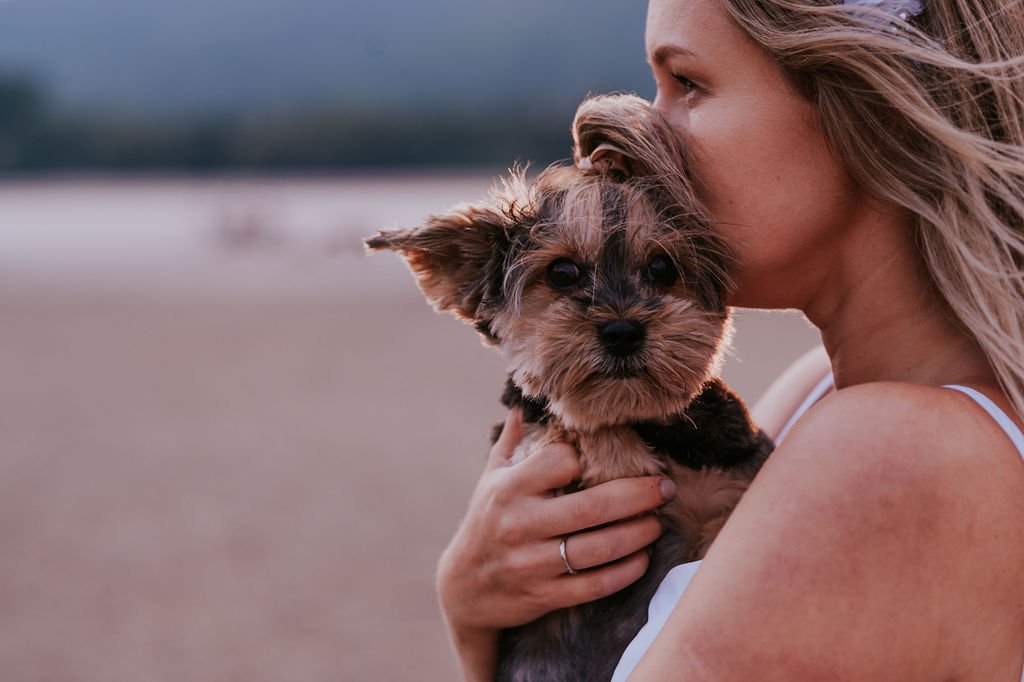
(671, 589)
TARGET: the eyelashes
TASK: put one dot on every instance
(687, 84)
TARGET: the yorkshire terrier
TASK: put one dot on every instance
(602, 284)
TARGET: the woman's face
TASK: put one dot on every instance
(760, 160)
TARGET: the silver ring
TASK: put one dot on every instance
(565, 559)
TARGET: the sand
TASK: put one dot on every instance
(218, 481)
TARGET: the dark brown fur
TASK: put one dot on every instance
(634, 403)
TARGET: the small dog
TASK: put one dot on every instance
(602, 285)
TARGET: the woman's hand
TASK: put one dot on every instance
(503, 567)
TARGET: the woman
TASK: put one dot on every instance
(866, 161)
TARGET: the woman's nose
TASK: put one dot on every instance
(660, 104)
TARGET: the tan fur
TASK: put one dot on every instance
(605, 454)
(706, 499)
(683, 349)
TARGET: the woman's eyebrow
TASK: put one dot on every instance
(663, 53)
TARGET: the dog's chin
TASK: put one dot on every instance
(620, 395)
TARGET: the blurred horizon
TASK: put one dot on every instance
(307, 84)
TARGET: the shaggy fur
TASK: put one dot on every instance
(602, 285)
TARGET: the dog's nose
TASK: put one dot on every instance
(621, 337)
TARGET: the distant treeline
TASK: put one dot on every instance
(33, 137)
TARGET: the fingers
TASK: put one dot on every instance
(511, 434)
(552, 467)
(503, 566)
(605, 545)
(612, 501)
(600, 582)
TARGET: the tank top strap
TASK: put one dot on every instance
(820, 390)
(1008, 426)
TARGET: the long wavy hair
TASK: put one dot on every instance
(926, 112)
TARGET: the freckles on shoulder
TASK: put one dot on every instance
(867, 544)
(899, 472)
(876, 441)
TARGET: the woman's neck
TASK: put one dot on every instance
(881, 320)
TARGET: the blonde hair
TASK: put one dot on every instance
(928, 114)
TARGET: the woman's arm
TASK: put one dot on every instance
(882, 541)
(503, 567)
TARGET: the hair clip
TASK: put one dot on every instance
(903, 10)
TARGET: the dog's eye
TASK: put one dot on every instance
(563, 273)
(662, 271)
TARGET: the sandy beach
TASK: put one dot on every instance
(233, 447)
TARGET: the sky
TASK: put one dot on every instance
(238, 56)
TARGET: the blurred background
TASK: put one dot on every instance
(232, 446)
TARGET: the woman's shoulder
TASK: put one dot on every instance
(930, 449)
(932, 429)
(918, 488)
(891, 520)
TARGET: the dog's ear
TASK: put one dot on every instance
(607, 159)
(457, 258)
(622, 137)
